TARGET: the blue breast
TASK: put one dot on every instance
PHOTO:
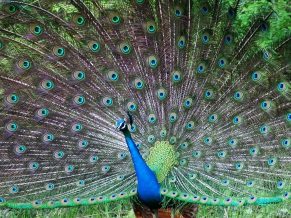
(148, 187)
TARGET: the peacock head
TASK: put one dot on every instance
(121, 125)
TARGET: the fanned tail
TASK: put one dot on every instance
(208, 109)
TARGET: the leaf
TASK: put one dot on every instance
(249, 211)
(284, 210)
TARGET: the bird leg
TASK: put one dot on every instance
(155, 213)
(173, 212)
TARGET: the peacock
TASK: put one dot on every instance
(160, 102)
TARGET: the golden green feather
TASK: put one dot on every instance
(161, 159)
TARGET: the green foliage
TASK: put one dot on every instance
(63, 7)
(279, 22)
(282, 210)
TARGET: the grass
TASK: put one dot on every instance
(82, 211)
(281, 210)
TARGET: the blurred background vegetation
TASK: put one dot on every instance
(279, 24)
(123, 209)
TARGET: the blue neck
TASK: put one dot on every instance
(148, 188)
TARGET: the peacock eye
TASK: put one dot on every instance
(122, 125)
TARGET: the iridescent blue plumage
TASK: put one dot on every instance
(148, 188)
